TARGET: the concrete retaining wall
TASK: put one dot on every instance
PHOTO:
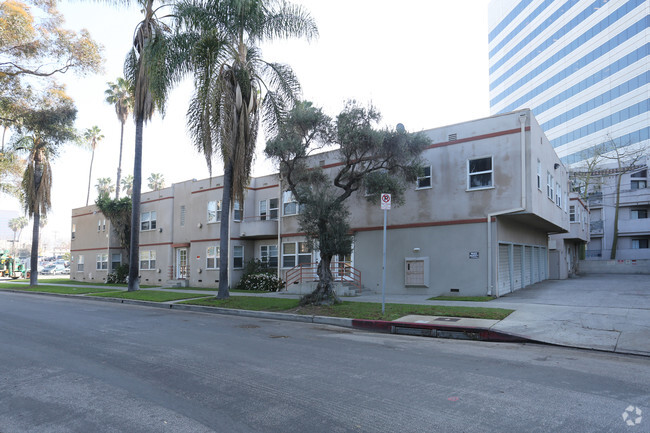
(614, 266)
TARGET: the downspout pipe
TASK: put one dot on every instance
(522, 151)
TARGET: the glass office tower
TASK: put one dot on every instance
(582, 66)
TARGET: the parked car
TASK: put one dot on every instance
(53, 270)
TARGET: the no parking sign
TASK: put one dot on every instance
(385, 201)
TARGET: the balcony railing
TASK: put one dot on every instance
(256, 226)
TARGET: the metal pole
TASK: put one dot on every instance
(383, 270)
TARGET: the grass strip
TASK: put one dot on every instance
(44, 288)
(462, 298)
(150, 295)
(81, 283)
(354, 310)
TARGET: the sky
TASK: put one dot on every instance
(423, 63)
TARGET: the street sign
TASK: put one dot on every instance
(385, 201)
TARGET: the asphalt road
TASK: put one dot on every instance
(73, 365)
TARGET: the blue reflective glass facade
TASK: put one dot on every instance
(596, 95)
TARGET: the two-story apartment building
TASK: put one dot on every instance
(476, 222)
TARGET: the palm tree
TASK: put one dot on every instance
(17, 225)
(235, 87)
(92, 136)
(104, 186)
(145, 67)
(127, 184)
(120, 94)
(43, 129)
(156, 181)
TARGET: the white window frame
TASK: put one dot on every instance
(214, 211)
(426, 177)
(636, 244)
(212, 253)
(102, 262)
(238, 254)
(80, 263)
(287, 201)
(549, 185)
(572, 214)
(148, 219)
(558, 195)
(267, 256)
(469, 174)
(237, 211)
(148, 257)
(300, 254)
(99, 226)
(634, 214)
(118, 261)
(104, 225)
(263, 210)
(74, 231)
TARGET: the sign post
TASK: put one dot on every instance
(385, 205)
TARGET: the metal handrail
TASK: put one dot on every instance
(341, 271)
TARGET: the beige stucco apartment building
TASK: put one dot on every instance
(477, 222)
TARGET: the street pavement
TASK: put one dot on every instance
(601, 312)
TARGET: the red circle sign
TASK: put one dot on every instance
(385, 198)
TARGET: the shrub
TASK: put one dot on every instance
(118, 276)
(263, 282)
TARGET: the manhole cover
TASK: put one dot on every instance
(447, 319)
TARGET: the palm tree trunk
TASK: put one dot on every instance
(33, 277)
(119, 165)
(134, 253)
(90, 175)
(225, 236)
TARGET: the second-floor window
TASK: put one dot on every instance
(424, 179)
(290, 205)
(539, 175)
(74, 231)
(238, 211)
(269, 209)
(638, 214)
(479, 173)
(572, 214)
(148, 221)
(558, 195)
(639, 180)
(214, 211)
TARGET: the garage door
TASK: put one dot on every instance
(528, 265)
(543, 263)
(517, 267)
(504, 269)
(535, 259)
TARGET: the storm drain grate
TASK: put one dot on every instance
(447, 319)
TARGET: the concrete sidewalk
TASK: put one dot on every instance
(601, 312)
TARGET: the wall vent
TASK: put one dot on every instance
(453, 137)
(454, 290)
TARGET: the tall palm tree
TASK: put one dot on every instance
(235, 86)
(104, 186)
(17, 225)
(120, 94)
(43, 129)
(92, 136)
(127, 184)
(156, 181)
(145, 67)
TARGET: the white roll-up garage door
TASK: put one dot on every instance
(528, 265)
(543, 263)
(504, 269)
(516, 267)
(535, 264)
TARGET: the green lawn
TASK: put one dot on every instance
(354, 310)
(53, 289)
(150, 295)
(216, 289)
(462, 298)
(81, 283)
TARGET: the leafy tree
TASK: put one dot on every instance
(104, 187)
(118, 212)
(127, 184)
(120, 94)
(234, 86)
(379, 160)
(42, 131)
(17, 225)
(11, 169)
(92, 136)
(156, 181)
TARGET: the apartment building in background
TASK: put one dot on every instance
(582, 67)
(476, 222)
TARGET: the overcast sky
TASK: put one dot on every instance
(423, 63)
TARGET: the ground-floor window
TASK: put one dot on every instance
(269, 255)
(238, 257)
(80, 264)
(639, 243)
(102, 262)
(212, 257)
(147, 259)
(295, 253)
(116, 260)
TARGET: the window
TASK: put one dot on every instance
(424, 181)
(99, 225)
(182, 216)
(80, 264)
(479, 173)
(116, 260)
(269, 255)
(558, 195)
(639, 243)
(539, 175)
(103, 225)
(147, 260)
(549, 185)
(212, 258)
(238, 257)
(639, 183)
(290, 204)
(295, 253)
(102, 262)
(74, 231)
(148, 221)
(263, 210)
(269, 209)
(572, 214)
(238, 211)
(638, 214)
(214, 211)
